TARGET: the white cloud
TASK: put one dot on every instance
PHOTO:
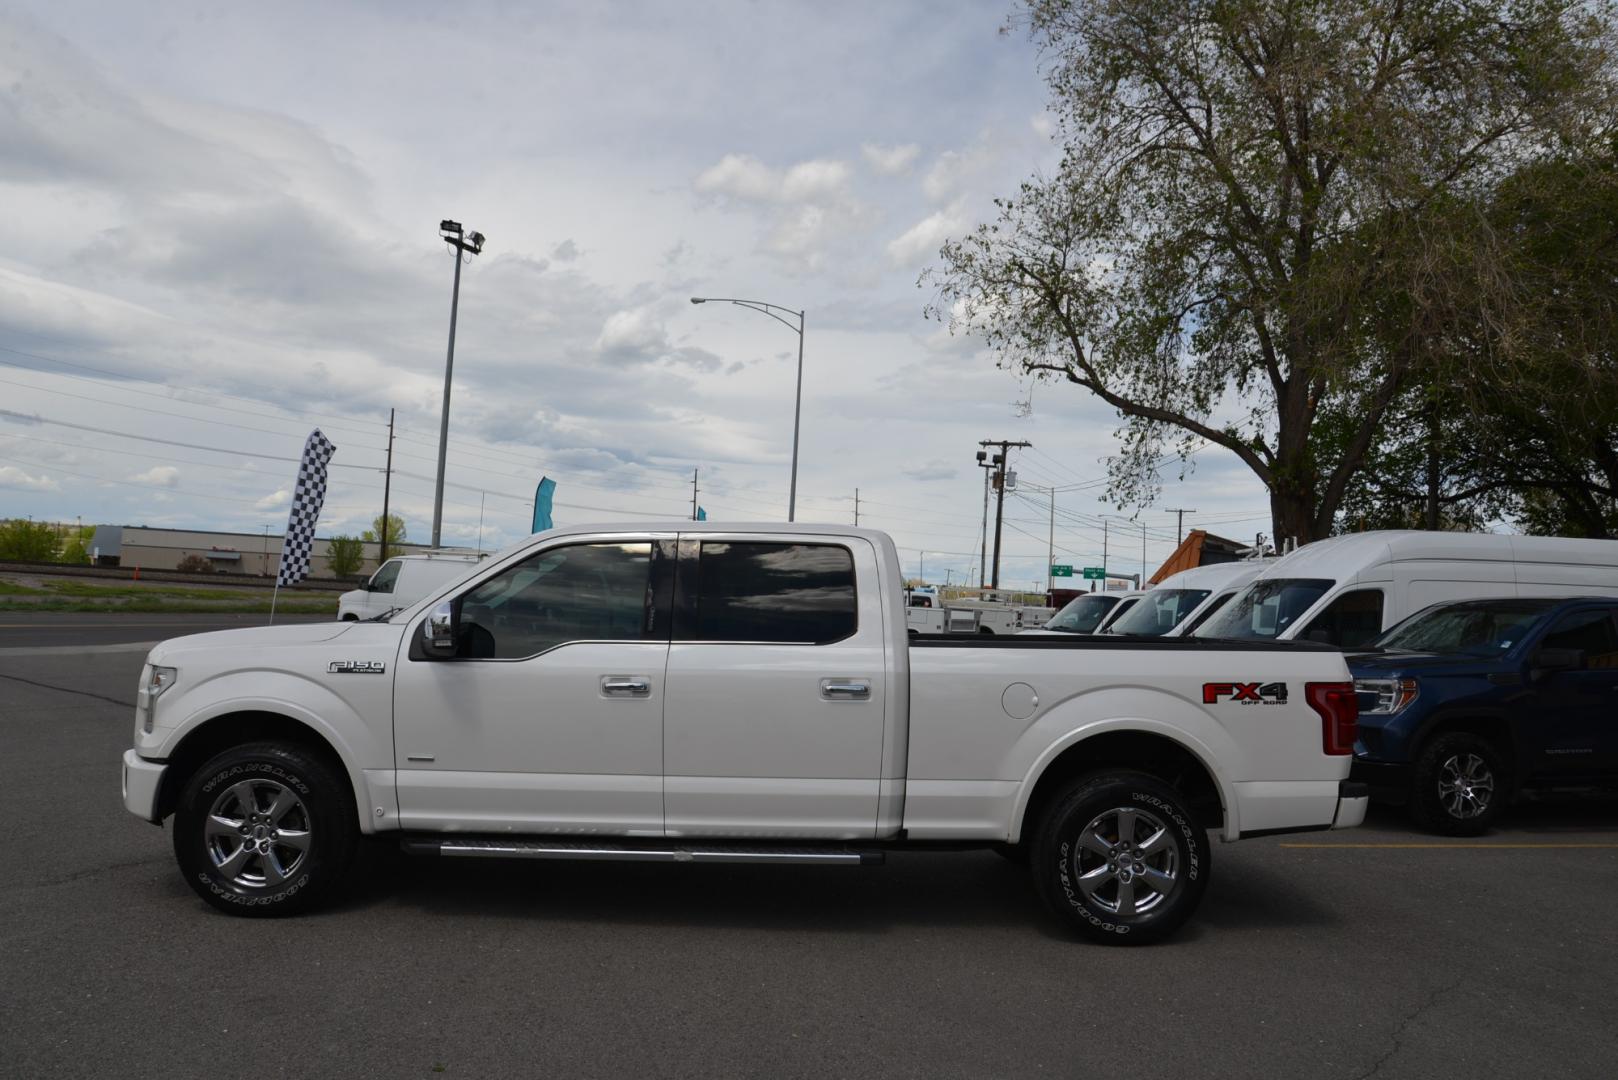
(921, 241)
(815, 181)
(1042, 123)
(160, 475)
(740, 176)
(954, 171)
(13, 477)
(890, 160)
(638, 336)
(933, 470)
(743, 176)
(275, 499)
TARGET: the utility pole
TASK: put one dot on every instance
(1142, 554)
(1050, 556)
(1179, 522)
(922, 573)
(983, 554)
(462, 243)
(1104, 524)
(387, 489)
(856, 507)
(693, 494)
(1005, 446)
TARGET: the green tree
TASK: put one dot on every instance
(345, 555)
(396, 534)
(76, 549)
(1514, 417)
(27, 541)
(1267, 209)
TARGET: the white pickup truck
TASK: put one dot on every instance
(696, 693)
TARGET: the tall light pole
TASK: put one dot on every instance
(797, 401)
(460, 243)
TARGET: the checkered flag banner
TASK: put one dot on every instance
(307, 500)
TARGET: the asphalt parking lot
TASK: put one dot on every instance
(1371, 952)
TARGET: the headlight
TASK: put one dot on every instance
(157, 680)
(1385, 697)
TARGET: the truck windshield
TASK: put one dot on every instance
(1158, 612)
(1482, 628)
(1082, 615)
(1265, 609)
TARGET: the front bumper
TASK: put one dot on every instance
(142, 781)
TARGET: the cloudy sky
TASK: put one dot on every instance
(221, 232)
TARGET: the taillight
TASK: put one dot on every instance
(1339, 709)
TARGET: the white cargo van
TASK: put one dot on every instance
(1348, 589)
(1179, 598)
(401, 581)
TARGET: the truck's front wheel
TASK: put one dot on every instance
(265, 829)
(1121, 856)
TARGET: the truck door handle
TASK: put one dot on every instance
(845, 689)
(626, 686)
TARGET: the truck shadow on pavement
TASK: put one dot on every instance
(965, 889)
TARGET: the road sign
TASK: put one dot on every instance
(1059, 570)
(1095, 573)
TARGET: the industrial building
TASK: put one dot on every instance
(258, 555)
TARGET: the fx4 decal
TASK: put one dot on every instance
(1252, 693)
(356, 667)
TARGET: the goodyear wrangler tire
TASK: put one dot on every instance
(265, 829)
(1121, 857)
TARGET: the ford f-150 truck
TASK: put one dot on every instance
(708, 693)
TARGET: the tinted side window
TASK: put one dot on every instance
(1350, 620)
(1591, 631)
(584, 592)
(775, 592)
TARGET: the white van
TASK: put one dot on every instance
(1348, 589)
(1180, 598)
(1087, 614)
(401, 581)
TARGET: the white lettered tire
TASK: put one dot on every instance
(1121, 857)
(266, 829)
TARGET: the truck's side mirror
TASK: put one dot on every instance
(1548, 662)
(438, 631)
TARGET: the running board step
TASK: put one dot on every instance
(642, 851)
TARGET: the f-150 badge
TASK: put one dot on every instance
(356, 667)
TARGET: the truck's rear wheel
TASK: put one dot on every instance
(265, 829)
(1121, 857)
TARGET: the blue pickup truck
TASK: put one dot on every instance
(1464, 704)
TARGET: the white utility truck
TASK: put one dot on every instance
(736, 693)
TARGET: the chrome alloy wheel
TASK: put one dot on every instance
(1465, 786)
(257, 833)
(1126, 861)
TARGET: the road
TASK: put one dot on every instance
(51, 629)
(1341, 955)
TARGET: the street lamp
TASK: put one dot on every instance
(797, 403)
(461, 243)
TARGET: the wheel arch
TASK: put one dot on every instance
(1492, 725)
(1135, 749)
(220, 733)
